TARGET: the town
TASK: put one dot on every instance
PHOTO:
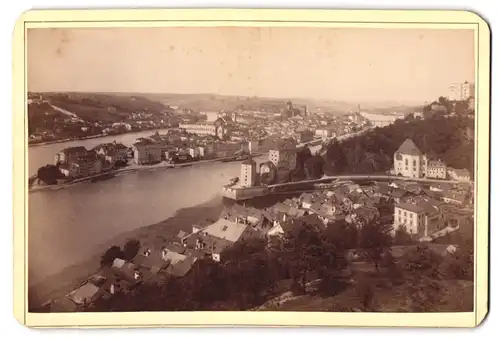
(420, 203)
(218, 136)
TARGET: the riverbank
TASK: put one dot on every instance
(30, 145)
(129, 169)
(59, 284)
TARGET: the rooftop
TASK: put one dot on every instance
(225, 229)
(437, 163)
(410, 207)
(408, 148)
(83, 293)
(72, 150)
(461, 172)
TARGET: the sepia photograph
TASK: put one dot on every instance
(251, 168)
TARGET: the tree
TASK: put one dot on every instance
(394, 270)
(421, 260)
(343, 234)
(314, 167)
(130, 249)
(374, 237)
(301, 250)
(110, 255)
(365, 292)
(402, 237)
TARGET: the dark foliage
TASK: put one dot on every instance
(365, 292)
(130, 249)
(110, 255)
(402, 237)
(49, 174)
(374, 237)
(314, 167)
(422, 261)
(373, 151)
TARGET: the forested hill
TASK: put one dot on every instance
(449, 138)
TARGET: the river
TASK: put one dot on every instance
(66, 225)
(40, 155)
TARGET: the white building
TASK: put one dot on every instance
(417, 219)
(409, 161)
(248, 173)
(436, 169)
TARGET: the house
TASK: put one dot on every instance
(70, 154)
(409, 161)
(280, 228)
(421, 217)
(63, 304)
(284, 158)
(115, 153)
(306, 200)
(182, 267)
(84, 294)
(455, 197)
(398, 195)
(152, 260)
(147, 151)
(440, 187)
(128, 271)
(459, 174)
(84, 165)
(217, 237)
(436, 169)
(364, 214)
(414, 188)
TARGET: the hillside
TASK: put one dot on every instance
(449, 139)
(106, 108)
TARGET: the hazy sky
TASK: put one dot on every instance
(338, 64)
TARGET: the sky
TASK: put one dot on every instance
(344, 64)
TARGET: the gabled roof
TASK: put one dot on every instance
(408, 148)
(72, 150)
(461, 172)
(226, 229)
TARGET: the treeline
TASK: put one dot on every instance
(449, 138)
(439, 137)
(255, 271)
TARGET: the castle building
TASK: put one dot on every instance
(248, 173)
(409, 160)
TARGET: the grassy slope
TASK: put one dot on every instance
(456, 296)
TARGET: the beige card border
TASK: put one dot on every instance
(253, 17)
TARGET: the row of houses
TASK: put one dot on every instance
(424, 211)
(79, 162)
